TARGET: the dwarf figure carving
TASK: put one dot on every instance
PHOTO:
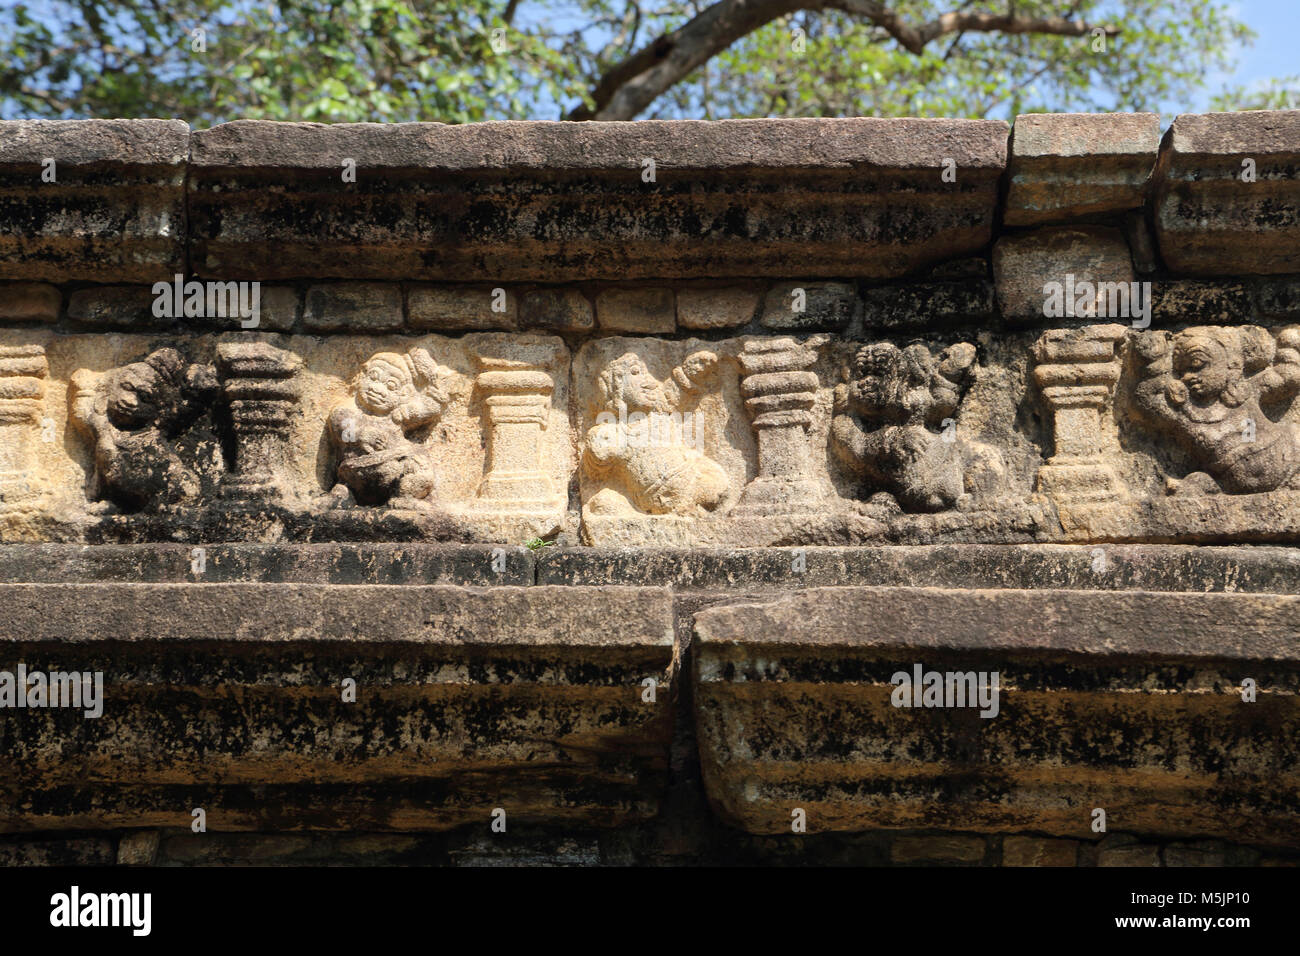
(894, 428)
(646, 444)
(1204, 387)
(132, 415)
(380, 434)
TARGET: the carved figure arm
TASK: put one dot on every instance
(85, 408)
(1281, 380)
(688, 378)
(1157, 394)
(850, 444)
(342, 425)
(951, 377)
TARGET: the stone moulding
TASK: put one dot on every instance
(562, 201)
(231, 697)
(504, 201)
(1090, 433)
(1129, 701)
(525, 687)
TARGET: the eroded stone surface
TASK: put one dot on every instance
(268, 200)
(114, 210)
(1127, 701)
(232, 697)
(1069, 257)
(1227, 197)
(1067, 166)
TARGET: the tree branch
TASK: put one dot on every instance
(628, 88)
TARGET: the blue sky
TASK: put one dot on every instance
(1274, 54)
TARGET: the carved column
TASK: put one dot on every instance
(257, 382)
(1076, 371)
(23, 370)
(517, 399)
(780, 390)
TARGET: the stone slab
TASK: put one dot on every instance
(1227, 194)
(535, 201)
(115, 210)
(232, 697)
(1126, 701)
(1070, 166)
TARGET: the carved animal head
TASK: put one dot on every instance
(147, 392)
(626, 383)
(908, 385)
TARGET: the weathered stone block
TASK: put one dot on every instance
(648, 310)
(475, 565)
(1204, 853)
(1278, 298)
(809, 306)
(115, 210)
(1033, 851)
(139, 848)
(454, 307)
(29, 302)
(356, 307)
(1125, 697)
(1147, 567)
(56, 851)
(1186, 300)
(1122, 849)
(1025, 263)
(128, 308)
(235, 698)
(280, 308)
(1066, 166)
(937, 849)
(500, 202)
(557, 310)
(1227, 193)
(932, 305)
(717, 308)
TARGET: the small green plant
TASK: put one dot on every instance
(536, 544)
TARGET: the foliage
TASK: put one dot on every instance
(403, 60)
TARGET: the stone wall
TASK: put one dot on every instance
(609, 479)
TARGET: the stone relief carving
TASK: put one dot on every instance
(728, 442)
(894, 429)
(1076, 372)
(23, 373)
(645, 446)
(780, 391)
(1205, 387)
(517, 390)
(380, 434)
(259, 387)
(132, 415)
